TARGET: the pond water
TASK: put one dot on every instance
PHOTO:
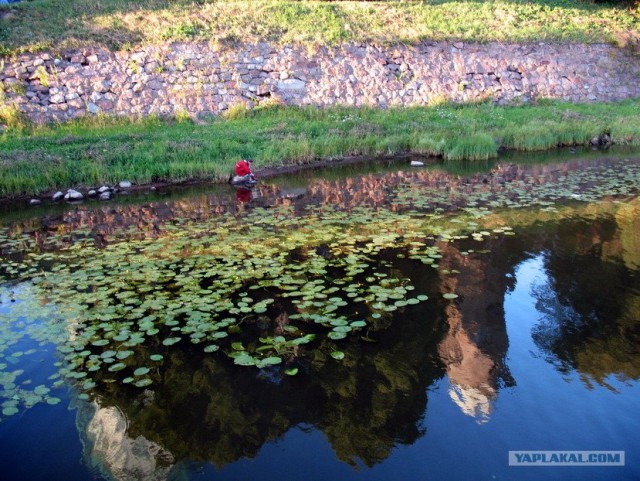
(365, 322)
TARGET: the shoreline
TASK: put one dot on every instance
(265, 173)
(45, 198)
(36, 161)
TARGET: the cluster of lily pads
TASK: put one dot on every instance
(259, 288)
(619, 177)
(114, 313)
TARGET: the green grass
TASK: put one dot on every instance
(121, 24)
(98, 150)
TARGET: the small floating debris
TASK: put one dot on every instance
(417, 163)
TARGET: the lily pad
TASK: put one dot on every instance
(144, 382)
(10, 411)
(117, 367)
(336, 335)
(268, 361)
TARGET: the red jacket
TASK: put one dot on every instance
(243, 168)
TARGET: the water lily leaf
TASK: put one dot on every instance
(342, 329)
(170, 341)
(291, 372)
(41, 390)
(156, 357)
(117, 367)
(10, 411)
(88, 384)
(144, 382)
(338, 322)
(303, 340)
(141, 371)
(336, 335)
(244, 359)
(450, 295)
(268, 361)
(339, 355)
(211, 348)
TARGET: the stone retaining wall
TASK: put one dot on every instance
(200, 80)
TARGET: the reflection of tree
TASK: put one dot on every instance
(591, 305)
(207, 409)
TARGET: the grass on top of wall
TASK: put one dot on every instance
(122, 24)
(97, 150)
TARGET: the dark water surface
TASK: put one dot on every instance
(538, 350)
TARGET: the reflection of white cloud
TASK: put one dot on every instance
(472, 401)
(111, 451)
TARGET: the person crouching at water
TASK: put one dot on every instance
(243, 171)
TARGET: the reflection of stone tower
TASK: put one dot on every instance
(475, 347)
(109, 449)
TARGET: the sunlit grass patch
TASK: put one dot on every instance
(118, 24)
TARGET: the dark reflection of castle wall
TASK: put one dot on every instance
(207, 409)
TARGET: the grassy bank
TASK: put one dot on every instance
(103, 150)
(121, 24)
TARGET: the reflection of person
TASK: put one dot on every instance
(243, 169)
(244, 195)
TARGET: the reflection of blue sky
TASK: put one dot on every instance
(40, 442)
(24, 341)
